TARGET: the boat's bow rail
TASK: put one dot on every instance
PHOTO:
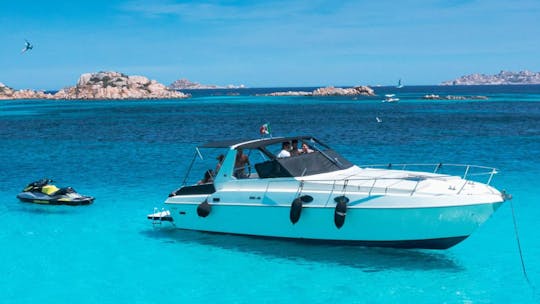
(472, 172)
(401, 179)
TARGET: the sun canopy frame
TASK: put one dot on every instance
(258, 143)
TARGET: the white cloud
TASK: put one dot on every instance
(201, 11)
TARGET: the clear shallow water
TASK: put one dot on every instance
(131, 154)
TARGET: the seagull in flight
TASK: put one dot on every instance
(378, 119)
(27, 46)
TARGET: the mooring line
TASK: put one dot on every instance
(533, 289)
(519, 243)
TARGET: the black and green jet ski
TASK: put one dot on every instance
(44, 192)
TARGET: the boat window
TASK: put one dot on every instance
(271, 169)
(316, 162)
(204, 166)
(263, 161)
(274, 149)
(244, 169)
(196, 189)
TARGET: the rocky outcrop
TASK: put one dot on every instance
(329, 91)
(503, 78)
(183, 84)
(451, 97)
(5, 91)
(114, 85)
(332, 91)
(432, 97)
(102, 85)
(9, 93)
(290, 93)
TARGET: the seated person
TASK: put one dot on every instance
(294, 148)
(240, 164)
(220, 159)
(305, 149)
(208, 178)
(285, 147)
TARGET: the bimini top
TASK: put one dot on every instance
(320, 159)
(256, 143)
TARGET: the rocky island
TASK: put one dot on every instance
(453, 97)
(101, 85)
(114, 85)
(9, 93)
(329, 91)
(185, 84)
(503, 78)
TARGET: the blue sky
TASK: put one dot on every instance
(267, 43)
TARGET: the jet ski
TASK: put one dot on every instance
(44, 192)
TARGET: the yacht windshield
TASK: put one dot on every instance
(296, 157)
(264, 158)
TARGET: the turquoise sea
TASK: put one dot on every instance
(130, 155)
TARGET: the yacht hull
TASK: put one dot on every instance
(425, 227)
(320, 196)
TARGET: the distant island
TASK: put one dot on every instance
(114, 85)
(329, 91)
(7, 93)
(101, 85)
(185, 84)
(503, 78)
(452, 97)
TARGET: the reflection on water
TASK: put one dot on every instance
(44, 208)
(369, 259)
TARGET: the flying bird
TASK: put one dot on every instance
(378, 119)
(27, 46)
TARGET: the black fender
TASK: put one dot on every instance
(204, 209)
(341, 210)
(296, 210)
(296, 207)
(306, 198)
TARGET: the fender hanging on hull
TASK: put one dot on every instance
(204, 209)
(340, 211)
(296, 207)
(296, 210)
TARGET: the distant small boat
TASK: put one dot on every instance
(399, 85)
(390, 98)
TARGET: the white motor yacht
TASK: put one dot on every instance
(321, 196)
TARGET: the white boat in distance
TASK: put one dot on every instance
(320, 196)
(390, 98)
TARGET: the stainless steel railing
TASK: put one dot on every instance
(385, 185)
(468, 170)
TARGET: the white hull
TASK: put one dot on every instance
(337, 201)
(436, 227)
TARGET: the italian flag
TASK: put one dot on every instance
(265, 129)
